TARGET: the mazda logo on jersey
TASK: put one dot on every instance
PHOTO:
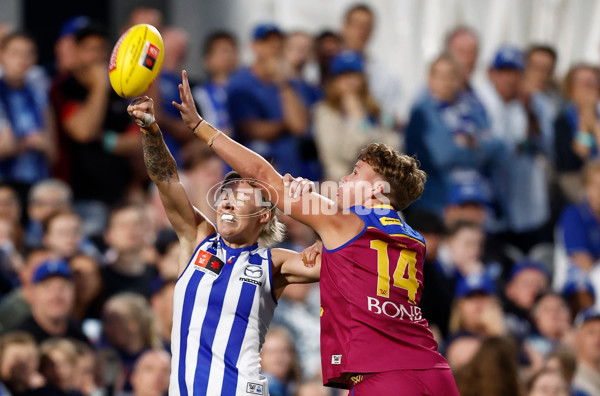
(253, 271)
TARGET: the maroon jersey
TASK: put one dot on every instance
(370, 291)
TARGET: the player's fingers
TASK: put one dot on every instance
(186, 82)
(177, 106)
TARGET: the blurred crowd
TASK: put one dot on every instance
(510, 212)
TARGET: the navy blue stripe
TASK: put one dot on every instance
(270, 265)
(189, 299)
(238, 332)
(209, 328)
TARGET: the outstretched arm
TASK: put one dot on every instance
(334, 227)
(292, 267)
(187, 221)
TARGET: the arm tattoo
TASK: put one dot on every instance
(159, 162)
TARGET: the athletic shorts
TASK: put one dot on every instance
(433, 382)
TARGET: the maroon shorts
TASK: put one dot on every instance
(432, 382)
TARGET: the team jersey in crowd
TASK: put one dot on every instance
(223, 305)
(370, 291)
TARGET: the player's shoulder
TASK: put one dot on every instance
(387, 220)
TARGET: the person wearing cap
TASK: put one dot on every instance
(267, 113)
(519, 179)
(527, 280)
(476, 308)
(349, 114)
(445, 135)
(52, 300)
(587, 346)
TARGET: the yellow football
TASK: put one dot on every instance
(136, 60)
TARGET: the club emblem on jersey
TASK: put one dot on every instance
(208, 263)
(255, 389)
(253, 271)
(336, 359)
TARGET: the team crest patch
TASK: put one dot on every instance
(336, 359)
(208, 263)
(149, 55)
(255, 389)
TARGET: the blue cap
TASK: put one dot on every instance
(578, 285)
(469, 191)
(528, 264)
(52, 268)
(264, 29)
(72, 25)
(474, 283)
(346, 62)
(586, 315)
(509, 58)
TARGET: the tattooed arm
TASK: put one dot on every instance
(188, 222)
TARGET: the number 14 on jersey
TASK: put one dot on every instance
(408, 258)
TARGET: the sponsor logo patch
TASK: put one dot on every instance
(253, 271)
(208, 263)
(336, 359)
(389, 220)
(255, 389)
(149, 55)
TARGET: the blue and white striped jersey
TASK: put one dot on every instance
(223, 305)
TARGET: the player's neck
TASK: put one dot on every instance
(238, 244)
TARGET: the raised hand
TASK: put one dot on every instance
(187, 108)
(297, 186)
(142, 111)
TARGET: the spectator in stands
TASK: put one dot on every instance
(445, 136)
(552, 324)
(86, 378)
(98, 138)
(151, 373)
(577, 128)
(579, 293)
(579, 227)
(547, 382)
(62, 234)
(461, 350)
(220, 56)
(298, 312)
(278, 361)
(88, 287)
(527, 280)
(52, 299)
(144, 14)
(519, 180)
(128, 326)
(15, 306)
(327, 45)
(11, 260)
(563, 359)
(65, 46)
(167, 246)
(58, 364)
(10, 206)
(587, 344)
(540, 91)
(476, 309)
(463, 44)
(19, 363)
(348, 113)
(125, 237)
(162, 307)
(28, 146)
(45, 198)
(358, 25)
(267, 113)
(298, 52)
(492, 371)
